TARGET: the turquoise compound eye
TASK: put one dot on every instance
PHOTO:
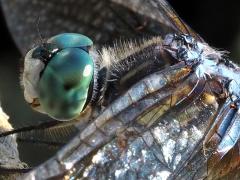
(69, 40)
(64, 84)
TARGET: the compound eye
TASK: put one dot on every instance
(70, 40)
(62, 85)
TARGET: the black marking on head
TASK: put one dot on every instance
(45, 52)
(85, 48)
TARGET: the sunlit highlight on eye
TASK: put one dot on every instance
(87, 70)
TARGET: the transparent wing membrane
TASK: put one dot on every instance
(160, 11)
(160, 151)
(103, 21)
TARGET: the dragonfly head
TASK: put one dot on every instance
(58, 76)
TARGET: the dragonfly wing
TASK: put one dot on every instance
(103, 21)
(161, 11)
(172, 147)
(169, 147)
(161, 135)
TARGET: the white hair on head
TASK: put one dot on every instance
(31, 76)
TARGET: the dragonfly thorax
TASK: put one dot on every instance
(205, 61)
(186, 48)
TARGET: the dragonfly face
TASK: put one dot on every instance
(164, 107)
(58, 75)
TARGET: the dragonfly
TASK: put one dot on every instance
(165, 105)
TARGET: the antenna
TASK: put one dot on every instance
(38, 30)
